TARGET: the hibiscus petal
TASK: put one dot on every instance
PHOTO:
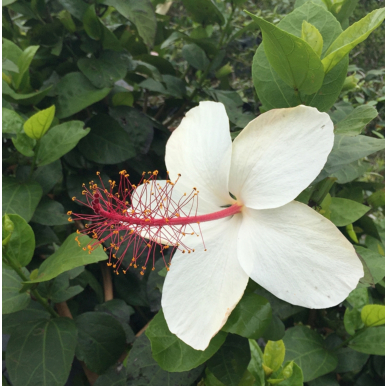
(200, 149)
(202, 288)
(298, 255)
(278, 155)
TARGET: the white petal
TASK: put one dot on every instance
(202, 288)
(278, 155)
(298, 255)
(200, 150)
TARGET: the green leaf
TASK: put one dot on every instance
(306, 348)
(356, 121)
(204, 11)
(141, 13)
(24, 144)
(374, 261)
(65, 18)
(59, 141)
(21, 199)
(358, 298)
(250, 318)
(312, 36)
(228, 365)
(123, 99)
(75, 7)
(275, 330)
(32, 352)
(76, 92)
(12, 122)
(7, 229)
(107, 69)
(101, 340)
(370, 341)
(92, 24)
(32, 98)
(48, 175)
(344, 212)
(255, 366)
(67, 257)
(351, 37)
(373, 315)
(349, 360)
(292, 58)
(50, 212)
(112, 377)
(13, 300)
(352, 320)
(142, 369)
(326, 380)
(350, 172)
(11, 51)
(292, 374)
(107, 142)
(171, 353)
(37, 125)
(21, 79)
(272, 91)
(274, 354)
(21, 244)
(195, 56)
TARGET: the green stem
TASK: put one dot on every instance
(321, 190)
(34, 159)
(34, 292)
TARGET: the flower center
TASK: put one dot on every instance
(142, 219)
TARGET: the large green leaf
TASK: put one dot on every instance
(91, 23)
(292, 58)
(21, 244)
(356, 121)
(171, 353)
(59, 141)
(107, 69)
(108, 142)
(195, 56)
(67, 257)
(374, 261)
(37, 125)
(370, 341)
(349, 360)
(101, 340)
(76, 92)
(250, 318)
(12, 122)
(255, 366)
(344, 212)
(306, 348)
(272, 91)
(143, 370)
(50, 212)
(230, 362)
(141, 13)
(274, 353)
(373, 315)
(312, 36)
(204, 11)
(24, 99)
(48, 175)
(21, 199)
(41, 352)
(13, 300)
(21, 79)
(351, 37)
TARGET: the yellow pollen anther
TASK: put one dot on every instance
(69, 219)
(69, 213)
(73, 198)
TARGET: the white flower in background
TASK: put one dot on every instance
(283, 245)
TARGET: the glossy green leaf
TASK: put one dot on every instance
(306, 348)
(255, 366)
(250, 317)
(292, 375)
(272, 91)
(24, 144)
(275, 330)
(50, 212)
(21, 199)
(171, 353)
(11, 51)
(37, 125)
(110, 67)
(351, 37)
(274, 354)
(59, 141)
(352, 320)
(108, 142)
(204, 11)
(76, 92)
(292, 58)
(354, 123)
(358, 297)
(195, 56)
(344, 212)
(31, 98)
(67, 257)
(142, 369)
(12, 122)
(228, 365)
(374, 261)
(33, 349)
(123, 98)
(312, 36)
(141, 13)
(13, 300)
(370, 341)
(101, 340)
(91, 23)
(349, 360)
(373, 315)
(21, 244)
(7, 229)
(21, 79)
(65, 18)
